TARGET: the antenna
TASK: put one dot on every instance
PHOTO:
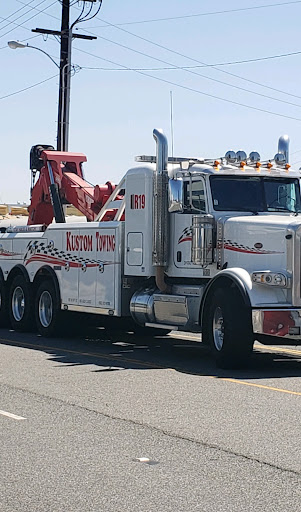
(171, 122)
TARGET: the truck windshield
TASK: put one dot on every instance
(255, 194)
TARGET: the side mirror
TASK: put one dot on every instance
(175, 196)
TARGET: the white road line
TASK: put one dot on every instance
(10, 415)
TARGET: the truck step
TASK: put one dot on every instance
(162, 326)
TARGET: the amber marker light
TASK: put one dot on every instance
(216, 165)
(269, 165)
(242, 165)
(258, 165)
(287, 166)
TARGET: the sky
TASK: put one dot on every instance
(118, 94)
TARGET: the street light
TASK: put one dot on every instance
(16, 44)
(63, 109)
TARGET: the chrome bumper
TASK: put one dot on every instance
(283, 323)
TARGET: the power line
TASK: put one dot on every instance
(213, 13)
(159, 79)
(214, 66)
(193, 59)
(12, 22)
(71, 3)
(16, 12)
(35, 9)
(27, 88)
(204, 76)
(181, 86)
(198, 74)
(246, 61)
(28, 19)
(202, 64)
(282, 55)
(258, 59)
(88, 16)
(172, 83)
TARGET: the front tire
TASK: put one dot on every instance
(47, 309)
(227, 328)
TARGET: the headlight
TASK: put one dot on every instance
(271, 279)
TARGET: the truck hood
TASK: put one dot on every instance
(257, 242)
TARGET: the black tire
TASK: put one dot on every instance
(47, 310)
(227, 328)
(20, 304)
(4, 319)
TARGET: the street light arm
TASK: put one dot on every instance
(45, 53)
(17, 44)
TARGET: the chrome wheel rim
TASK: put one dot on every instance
(218, 328)
(45, 309)
(18, 303)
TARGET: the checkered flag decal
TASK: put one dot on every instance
(40, 251)
(35, 247)
(234, 246)
(186, 235)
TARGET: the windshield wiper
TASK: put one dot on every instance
(284, 209)
(250, 210)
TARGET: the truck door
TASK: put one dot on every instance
(195, 202)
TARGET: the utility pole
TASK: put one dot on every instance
(66, 36)
(65, 79)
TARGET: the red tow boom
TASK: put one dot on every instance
(63, 171)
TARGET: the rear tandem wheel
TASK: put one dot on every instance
(47, 309)
(20, 304)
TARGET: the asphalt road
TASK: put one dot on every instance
(111, 422)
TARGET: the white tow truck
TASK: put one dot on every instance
(211, 246)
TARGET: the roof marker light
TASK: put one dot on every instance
(269, 165)
(216, 165)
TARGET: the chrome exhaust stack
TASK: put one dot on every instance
(160, 221)
(283, 146)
